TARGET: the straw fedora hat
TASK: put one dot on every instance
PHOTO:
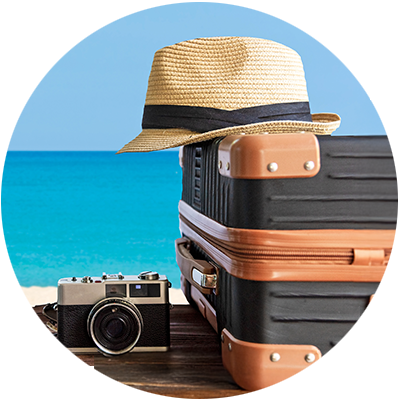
(210, 87)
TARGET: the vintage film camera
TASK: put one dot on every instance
(115, 314)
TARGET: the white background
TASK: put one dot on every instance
(362, 34)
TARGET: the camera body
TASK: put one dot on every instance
(115, 314)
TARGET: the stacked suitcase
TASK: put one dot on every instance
(285, 239)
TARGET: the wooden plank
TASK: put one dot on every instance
(192, 368)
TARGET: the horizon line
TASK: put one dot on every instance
(174, 149)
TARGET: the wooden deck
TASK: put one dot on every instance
(192, 368)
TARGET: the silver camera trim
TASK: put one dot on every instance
(74, 291)
(120, 302)
(143, 349)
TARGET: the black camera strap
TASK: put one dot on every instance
(50, 312)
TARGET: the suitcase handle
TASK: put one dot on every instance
(200, 273)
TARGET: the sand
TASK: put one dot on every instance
(42, 295)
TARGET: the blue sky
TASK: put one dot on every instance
(93, 98)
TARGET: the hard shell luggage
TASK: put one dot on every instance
(285, 239)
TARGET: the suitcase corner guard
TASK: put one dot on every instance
(255, 366)
(269, 156)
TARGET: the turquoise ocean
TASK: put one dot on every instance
(84, 213)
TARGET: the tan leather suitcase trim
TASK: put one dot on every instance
(187, 264)
(205, 308)
(254, 366)
(318, 238)
(269, 156)
(260, 270)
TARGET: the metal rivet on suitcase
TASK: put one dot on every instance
(275, 357)
(272, 167)
(229, 347)
(310, 357)
(309, 165)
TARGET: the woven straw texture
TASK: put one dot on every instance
(226, 73)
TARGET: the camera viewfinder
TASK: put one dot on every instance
(116, 290)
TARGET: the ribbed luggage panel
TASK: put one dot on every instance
(356, 188)
(203, 187)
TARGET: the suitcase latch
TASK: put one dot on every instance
(204, 280)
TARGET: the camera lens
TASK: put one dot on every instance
(115, 328)
(115, 325)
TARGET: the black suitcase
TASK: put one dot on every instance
(285, 239)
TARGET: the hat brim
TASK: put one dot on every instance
(161, 139)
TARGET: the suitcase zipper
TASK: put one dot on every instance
(344, 256)
(321, 256)
(359, 262)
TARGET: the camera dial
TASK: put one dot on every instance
(115, 325)
(148, 275)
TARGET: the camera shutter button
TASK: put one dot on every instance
(149, 275)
